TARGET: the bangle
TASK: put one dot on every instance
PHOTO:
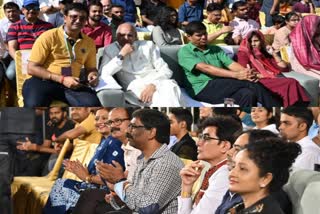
(62, 79)
(126, 186)
(185, 194)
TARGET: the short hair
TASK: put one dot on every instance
(95, 3)
(152, 118)
(10, 5)
(238, 4)
(259, 134)
(195, 27)
(303, 114)
(214, 6)
(117, 5)
(75, 6)
(277, 19)
(289, 15)
(275, 156)
(227, 128)
(182, 114)
(63, 109)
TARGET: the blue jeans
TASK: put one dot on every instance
(38, 92)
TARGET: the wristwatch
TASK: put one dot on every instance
(119, 56)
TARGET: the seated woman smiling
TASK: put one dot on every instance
(260, 169)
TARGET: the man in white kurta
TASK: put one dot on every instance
(139, 68)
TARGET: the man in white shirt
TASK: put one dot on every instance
(140, 69)
(294, 125)
(241, 23)
(218, 135)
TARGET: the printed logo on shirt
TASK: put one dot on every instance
(115, 153)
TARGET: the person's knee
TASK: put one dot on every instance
(111, 97)
(246, 97)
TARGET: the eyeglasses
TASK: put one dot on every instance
(116, 122)
(206, 137)
(32, 7)
(76, 17)
(132, 126)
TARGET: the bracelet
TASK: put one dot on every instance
(62, 79)
(49, 77)
(185, 194)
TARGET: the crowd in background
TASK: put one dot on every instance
(262, 29)
(149, 161)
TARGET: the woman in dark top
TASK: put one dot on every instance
(261, 169)
(166, 32)
(253, 53)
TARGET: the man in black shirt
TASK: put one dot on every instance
(58, 124)
(180, 125)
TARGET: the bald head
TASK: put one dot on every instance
(126, 33)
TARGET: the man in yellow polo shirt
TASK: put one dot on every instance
(216, 30)
(56, 60)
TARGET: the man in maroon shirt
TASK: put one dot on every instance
(94, 28)
(23, 33)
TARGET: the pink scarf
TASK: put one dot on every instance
(302, 44)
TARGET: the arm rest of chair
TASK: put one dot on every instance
(310, 84)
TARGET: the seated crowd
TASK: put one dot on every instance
(65, 37)
(150, 162)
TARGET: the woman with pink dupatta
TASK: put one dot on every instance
(305, 42)
(253, 52)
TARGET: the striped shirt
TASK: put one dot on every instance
(26, 33)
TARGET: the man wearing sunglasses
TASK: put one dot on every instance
(217, 137)
(23, 33)
(56, 62)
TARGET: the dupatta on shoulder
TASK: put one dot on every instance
(260, 62)
(302, 44)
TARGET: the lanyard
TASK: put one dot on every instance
(72, 53)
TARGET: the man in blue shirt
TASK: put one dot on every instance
(190, 11)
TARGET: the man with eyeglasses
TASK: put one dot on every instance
(216, 30)
(216, 139)
(23, 33)
(58, 60)
(156, 182)
(139, 69)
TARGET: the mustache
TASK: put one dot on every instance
(128, 135)
(113, 129)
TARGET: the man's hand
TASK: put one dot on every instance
(126, 49)
(147, 93)
(26, 145)
(93, 78)
(190, 173)
(109, 172)
(71, 82)
(57, 147)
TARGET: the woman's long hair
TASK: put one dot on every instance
(163, 18)
(263, 48)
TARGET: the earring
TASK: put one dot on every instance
(262, 185)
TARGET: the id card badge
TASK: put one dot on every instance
(66, 71)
